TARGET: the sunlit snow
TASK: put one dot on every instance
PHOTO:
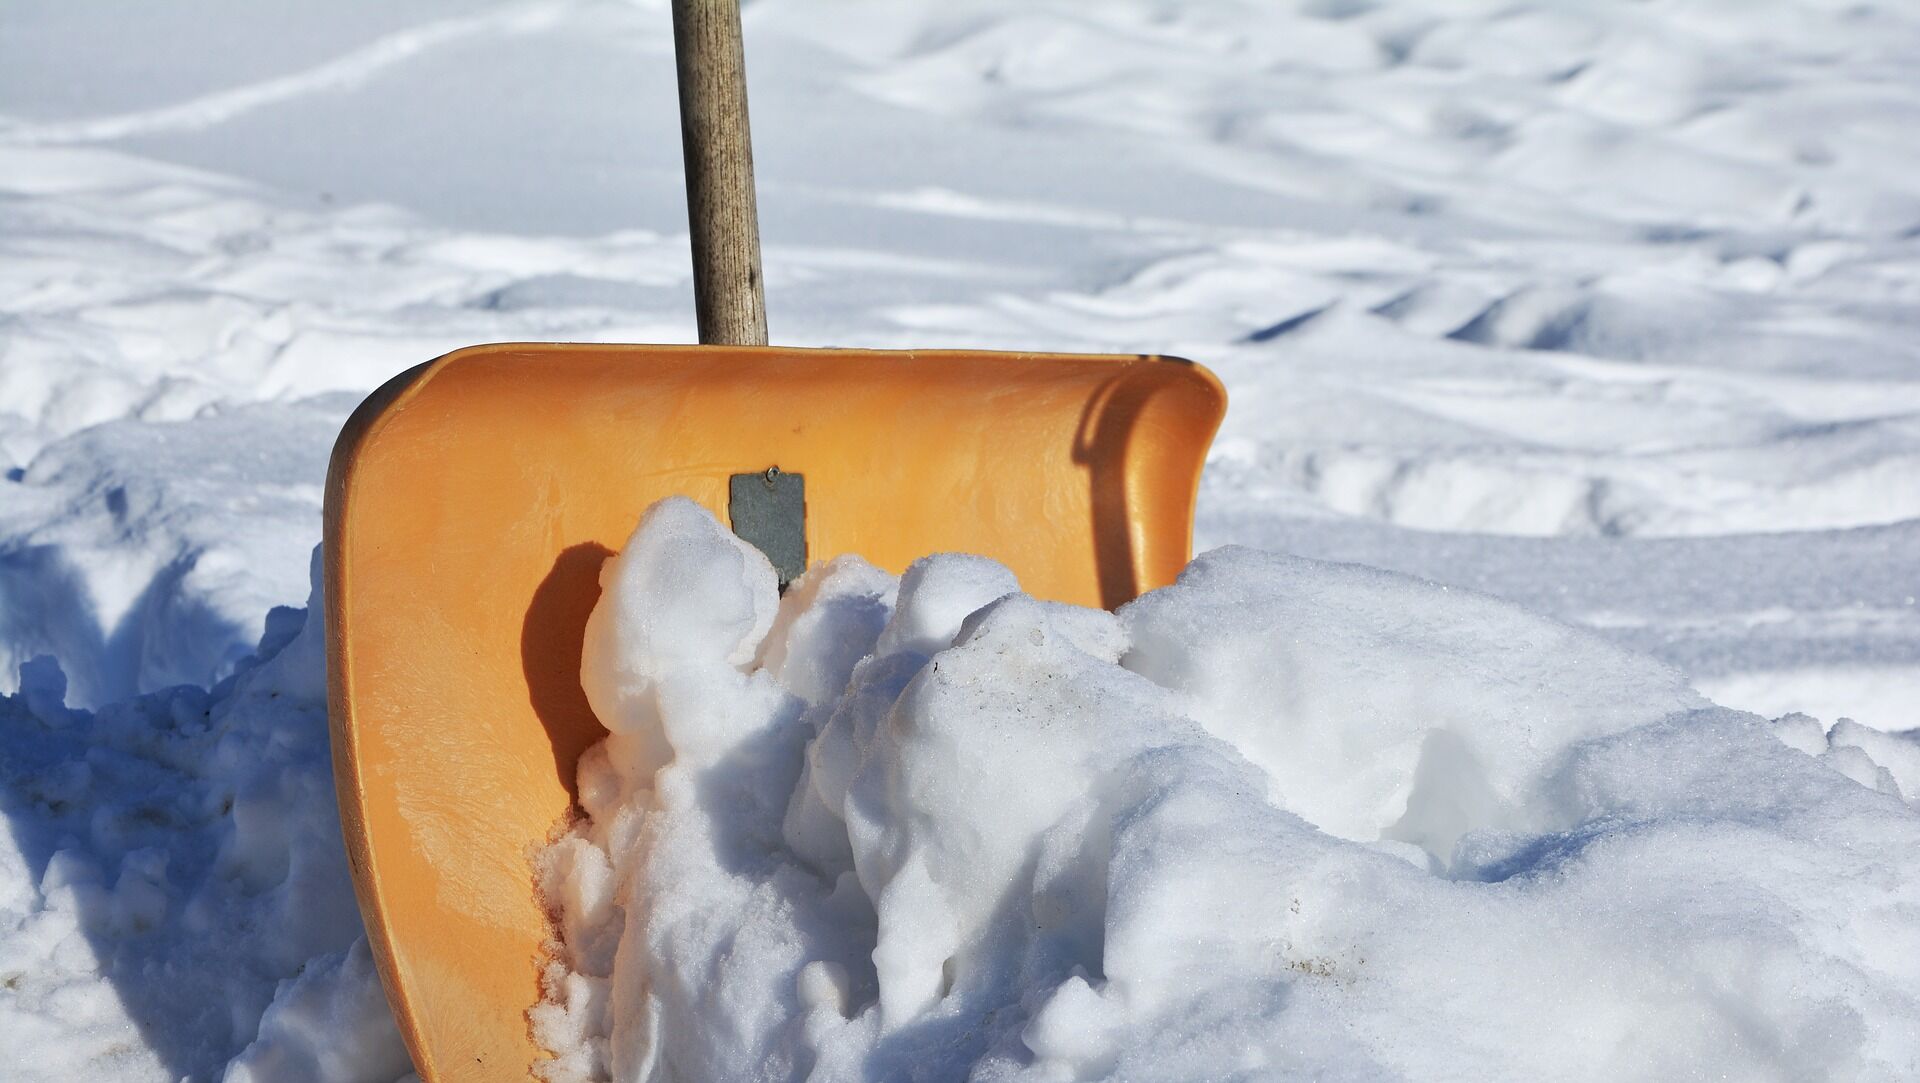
(1574, 354)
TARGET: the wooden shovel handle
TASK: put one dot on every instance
(719, 155)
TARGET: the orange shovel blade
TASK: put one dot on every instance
(472, 500)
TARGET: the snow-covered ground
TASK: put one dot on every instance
(1610, 310)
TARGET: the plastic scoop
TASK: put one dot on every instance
(472, 500)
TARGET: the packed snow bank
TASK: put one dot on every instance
(145, 554)
(1284, 816)
(176, 892)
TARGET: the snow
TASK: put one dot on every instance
(1282, 818)
(175, 870)
(1607, 311)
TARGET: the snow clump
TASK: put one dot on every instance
(1282, 818)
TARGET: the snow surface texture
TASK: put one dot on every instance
(1604, 309)
(1283, 819)
(176, 871)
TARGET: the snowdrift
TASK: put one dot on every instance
(1282, 818)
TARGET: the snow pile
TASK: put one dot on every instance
(176, 893)
(1283, 817)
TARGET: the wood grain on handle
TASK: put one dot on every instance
(719, 154)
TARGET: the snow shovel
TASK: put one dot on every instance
(471, 501)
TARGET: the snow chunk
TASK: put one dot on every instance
(700, 600)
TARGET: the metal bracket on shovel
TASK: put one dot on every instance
(769, 512)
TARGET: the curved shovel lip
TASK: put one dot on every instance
(349, 791)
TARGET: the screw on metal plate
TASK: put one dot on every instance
(769, 512)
